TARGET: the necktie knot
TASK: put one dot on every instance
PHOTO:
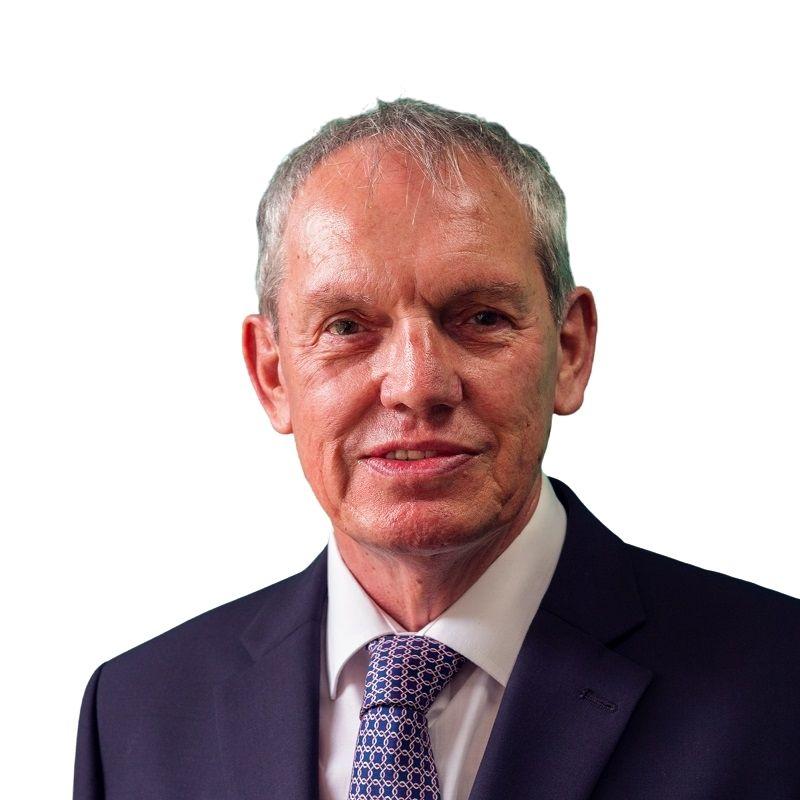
(408, 671)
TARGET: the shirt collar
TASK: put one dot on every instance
(486, 624)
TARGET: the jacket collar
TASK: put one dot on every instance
(267, 715)
(570, 695)
(287, 606)
(593, 587)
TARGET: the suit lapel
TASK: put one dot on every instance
(566, 704)
(570, 695)
(268, 714)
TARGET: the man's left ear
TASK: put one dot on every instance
(260, 349)
(576, 341)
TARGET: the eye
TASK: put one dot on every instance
(487, 318)
(343, 327)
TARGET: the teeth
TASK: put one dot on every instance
(410, 455)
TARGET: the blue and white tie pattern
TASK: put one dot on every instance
(393, 756)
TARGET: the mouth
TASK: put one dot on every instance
(419, 459)
(411, 455)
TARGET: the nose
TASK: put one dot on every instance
(420, 373)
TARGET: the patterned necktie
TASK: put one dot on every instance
(393, 755)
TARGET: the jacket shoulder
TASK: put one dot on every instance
(675, 596)
(717, 617)
(208, 647)
(660, 572)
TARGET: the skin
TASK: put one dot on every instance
(413, 312)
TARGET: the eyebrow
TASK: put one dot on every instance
(500, 291)
(329, 295)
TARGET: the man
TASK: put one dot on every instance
(471, 630)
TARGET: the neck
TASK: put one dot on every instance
(416, 588)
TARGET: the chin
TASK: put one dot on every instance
(424, 527)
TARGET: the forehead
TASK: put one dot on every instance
(371, 212)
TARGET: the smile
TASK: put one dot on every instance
(411, 455)
(417, 464)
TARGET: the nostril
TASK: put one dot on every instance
(421, 390)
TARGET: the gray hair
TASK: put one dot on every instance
(431, 135)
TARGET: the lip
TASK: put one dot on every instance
(449, 457)
(442, 448)
(420, 468)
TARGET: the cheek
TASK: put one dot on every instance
(517, 406)
(327, 405)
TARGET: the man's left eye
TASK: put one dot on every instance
(488, 318)
(343, 327)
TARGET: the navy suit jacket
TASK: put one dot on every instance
(640, 677)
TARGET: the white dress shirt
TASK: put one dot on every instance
(487, 625)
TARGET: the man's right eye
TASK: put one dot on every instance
(343, 327)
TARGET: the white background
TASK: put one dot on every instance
(141, 482)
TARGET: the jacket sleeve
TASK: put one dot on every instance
(88, 783)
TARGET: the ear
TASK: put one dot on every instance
(260, 349)
(576, 341)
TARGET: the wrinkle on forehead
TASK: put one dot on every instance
(324, 231)
(377, 220)
(369, 166)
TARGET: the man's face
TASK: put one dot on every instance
(417, 360)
